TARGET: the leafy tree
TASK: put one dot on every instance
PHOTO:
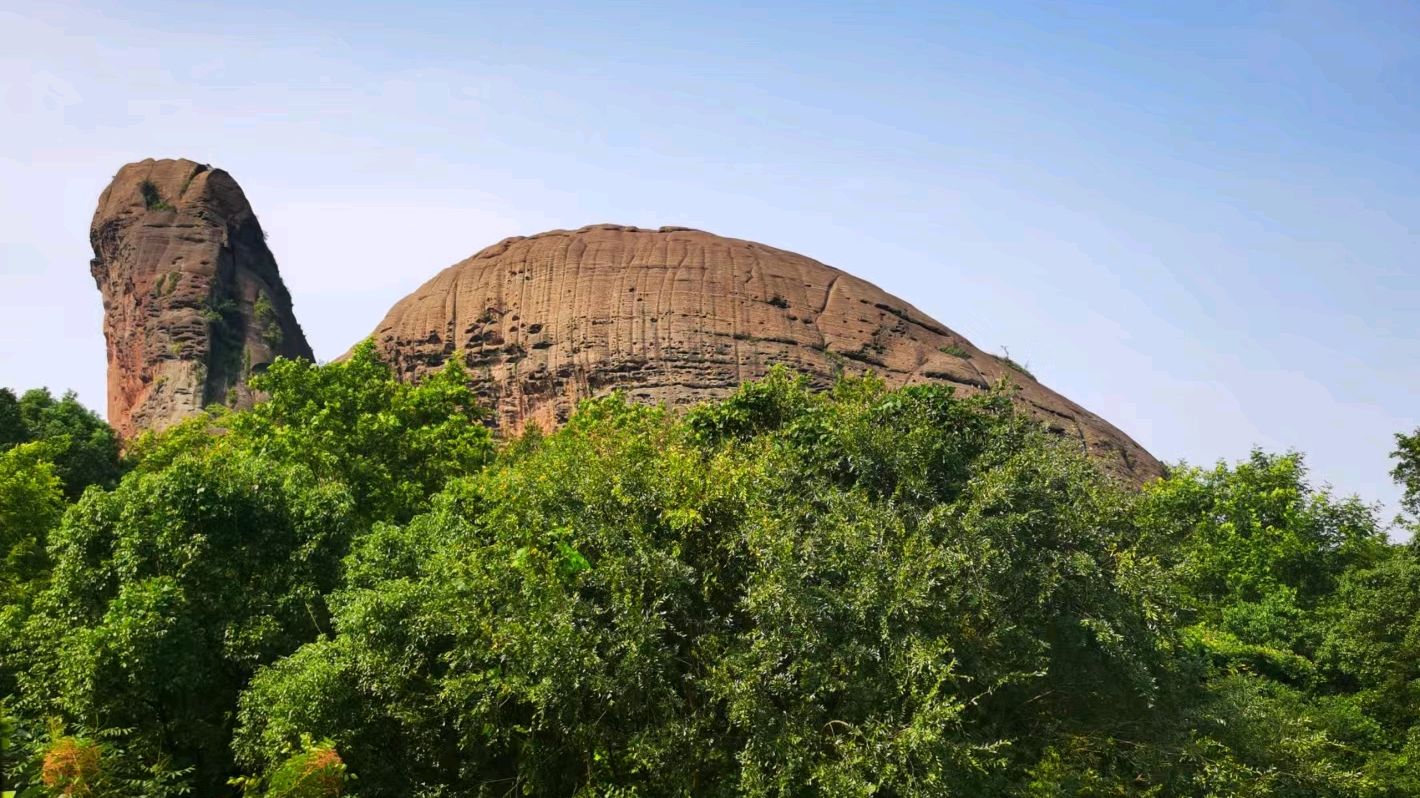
(30, 504)
(1259, 736)
(1407, 469)
(12, 426)
(1281, 586)
(785, 594)
(168, 592)
(1254, 547)
(1371, 653)
(394, 444)
(315, 770)
(84, 449)
(214, 556)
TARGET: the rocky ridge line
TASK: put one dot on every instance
(680, 316)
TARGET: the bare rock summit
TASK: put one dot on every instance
(193, 301)
(679, 316)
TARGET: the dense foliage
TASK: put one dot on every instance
(349, 591)
(81, 447)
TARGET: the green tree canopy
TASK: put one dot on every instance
(30, 505)
(12, 426)
(853, 592)
(1254, 546)
(215, 554)
(784, 594)
(83, 448)
(1407, 470)
(1300, 607)
(168, 592)
(392, 443)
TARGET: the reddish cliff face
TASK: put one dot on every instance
(193, 301)
(679, 316)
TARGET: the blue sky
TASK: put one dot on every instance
(1199, 220)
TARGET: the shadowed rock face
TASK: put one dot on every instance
(680, 316)
(193, 301)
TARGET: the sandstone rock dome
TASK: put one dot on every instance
(679, 316)
(193, 301)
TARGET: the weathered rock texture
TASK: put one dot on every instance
(193, 302)
(679, 316)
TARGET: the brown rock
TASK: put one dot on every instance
(193, 301)
(679, 316)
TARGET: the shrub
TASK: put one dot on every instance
(72, 767)
(1005, 357)
(151, 199)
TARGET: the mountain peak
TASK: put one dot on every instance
(677, 315)
(193, 299)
